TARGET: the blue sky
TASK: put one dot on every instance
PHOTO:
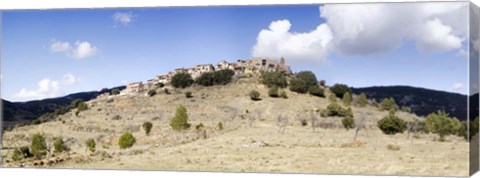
(49, 53)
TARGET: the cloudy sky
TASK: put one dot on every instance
(50, 53)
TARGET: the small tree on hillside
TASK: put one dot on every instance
(339, 90)
(274, 79)
(181, 80)
(347, 99)
(316, 91)
(298, 85)
(389, 104)
(332, 98)
(38, 146)
(254, 95)
(362, 100)
(205, 79)
(441, 124)
(391, 124)
(180, 120)
(307, 76)
(222, 77)
(147, 126)
(359, 124)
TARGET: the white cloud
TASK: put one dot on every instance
(365, 29)
(58, 46)
(278, 41)
(83, 50)
(69, 79)
(46, 88)
(456, 87)
(123, 18)
(78, 51)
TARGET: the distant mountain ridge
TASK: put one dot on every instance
(31, 110)
(423, 101)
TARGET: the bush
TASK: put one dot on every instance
(126, 140)
(405, 109)
(151, 92)
(283, 94)
(59, 145)
(254, 95)
(82, 107)
(316, 91)
(180, 120)
(362, 100)
(441, 124)
(274, 79)
(160, 85)
(21, 153)
(181, 80)
(199, 126)
(75, 103)
(17, 155)
(91, 144)
(298, 85)
(220, 125)
(332, 98)
(322, 83)
(115, 92)
(222, 77)
(393, 147)
(392, 125)
(348, 122)
(38, 146)
(334, 109)
(205, 79)
(388, 104)
(307, 76)
(339, 90)
(273, 92)
(303, 122)
(347, 99)
(36, 122)
(147, 126)
(188, 94)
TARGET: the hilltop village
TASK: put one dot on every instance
(241, 68)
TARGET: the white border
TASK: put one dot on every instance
(75, 4)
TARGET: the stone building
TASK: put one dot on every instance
(134, 87)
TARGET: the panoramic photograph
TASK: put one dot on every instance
(368, 88)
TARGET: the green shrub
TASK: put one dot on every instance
(316, 91)
(274, 79)
(17, 155)
(393, 147)
(91, 144)
(347, 99)
(36, 122)
(147, 126)
(348, 122)
(254, 95)
(181, 80)
(82, 107)
(127, 140)
(188, 94)
(298, 85)
(75, 103)
(388, 104)
(334, 109)
(222, 77)
(405, 109)
(151, 92)
(38, 146)
(199, 126)
(220, 125)
(339, 90)
(392, 125)
(21, 153)
(362, 100)
(59, 145)
(160, 85)
(115, 92)
(180, 120)
(441, 124)
(273, 92)
(283, 94)
(205, 79)
(322, 83)
(307, 76)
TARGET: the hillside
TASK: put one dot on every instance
(24, 112)
(421, 101)
(250, 140)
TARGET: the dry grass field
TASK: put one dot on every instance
(244, 145)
